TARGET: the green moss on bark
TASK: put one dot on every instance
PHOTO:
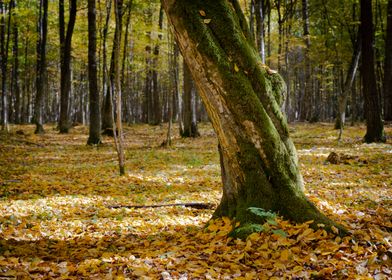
(270, 178)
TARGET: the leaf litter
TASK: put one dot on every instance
(55, 222)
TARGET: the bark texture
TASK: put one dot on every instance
(41, 66)
(388, 67)
(374, 123)
(343, 97)
(65, 62)
(243, 99)
(95, 114)
(189, 107)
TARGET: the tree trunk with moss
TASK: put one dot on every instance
(243, 99)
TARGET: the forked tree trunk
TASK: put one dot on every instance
(65, 63)
(243, 98)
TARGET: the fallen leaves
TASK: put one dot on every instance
(55, 223)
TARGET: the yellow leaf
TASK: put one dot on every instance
(207, 20)
(248, 245)
(202, 13)
(335, 230)
(284, 256)
(236, 68)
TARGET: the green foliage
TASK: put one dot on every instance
(269, 217)
(247, 229)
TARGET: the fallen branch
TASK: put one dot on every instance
(195, 205)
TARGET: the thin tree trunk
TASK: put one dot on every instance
(41, 66)
(260, 10)
(124, 79)
(258, 159)
(106, 117)
(280, 32)
(4, 61)
(156, 108)
(15, 72)
(65, 63)
(252, 18)
(344, 94)
(306, 102)
(95, 114)
(374, 124)
(189, 114)
(26, 82)
(118, 138)
(388, 67)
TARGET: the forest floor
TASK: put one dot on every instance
(56, 220)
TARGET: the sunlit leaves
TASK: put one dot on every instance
(55, 223)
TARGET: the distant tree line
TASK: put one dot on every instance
(57, 67)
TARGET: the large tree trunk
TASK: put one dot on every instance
(243, 99)
(65, 63)
(374, 124)
(95, 114)
(41, 66)
(388, 67)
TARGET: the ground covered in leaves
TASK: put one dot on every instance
(56, 220)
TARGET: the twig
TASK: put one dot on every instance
(195, 205)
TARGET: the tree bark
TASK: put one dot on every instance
(156, 108)
(107, 123)
(388, 67)
(344, 94)
(306, 106)
(95, 114)
(189, 106)
(118, 138)
(65, 63)
(15, 88)
(374, 124)
(4, 61)
(243, 99)
(260, 37)
(41, 66)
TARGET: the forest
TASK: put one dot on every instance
(196, 139)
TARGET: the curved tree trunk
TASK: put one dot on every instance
(243, 99)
